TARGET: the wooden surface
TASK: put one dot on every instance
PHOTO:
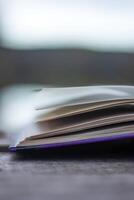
(103, 171)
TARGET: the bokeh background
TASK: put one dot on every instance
(67, 43)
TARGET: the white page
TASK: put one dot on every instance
(54, 97)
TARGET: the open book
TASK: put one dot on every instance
(78, 115)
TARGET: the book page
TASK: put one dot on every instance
(55, 97)
(65, 111)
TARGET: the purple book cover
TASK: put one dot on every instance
(77, 142)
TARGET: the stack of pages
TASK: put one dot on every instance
(78, 115)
